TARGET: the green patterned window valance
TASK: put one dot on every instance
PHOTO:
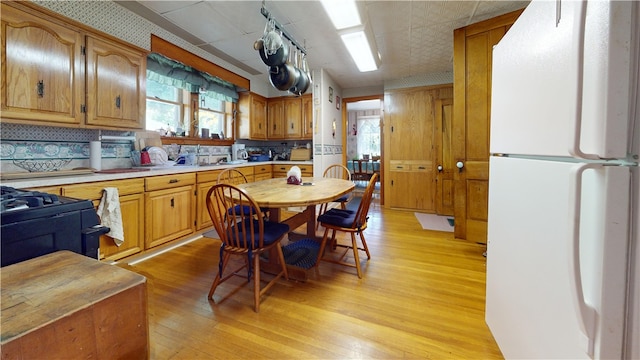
(171, 72)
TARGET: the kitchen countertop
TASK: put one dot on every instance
(153, 171)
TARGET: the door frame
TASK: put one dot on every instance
(345, 130)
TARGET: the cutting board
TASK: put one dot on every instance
(300, 154)
(147, 138)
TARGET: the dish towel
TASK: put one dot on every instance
(111, 215)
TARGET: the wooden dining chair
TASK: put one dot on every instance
(351, 222)
(235, 177)
(244, 234)
(232, 176)
(336, 171)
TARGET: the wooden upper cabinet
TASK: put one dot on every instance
(115, 85)
(286, 118)
(42, 75)
(58, 72)
(252, 120)
(307, 117)
(293, 117)
(275, 118)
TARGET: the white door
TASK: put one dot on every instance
(534, 305)
(547, 98)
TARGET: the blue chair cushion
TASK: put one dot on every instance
(245, 210)
(342, 212)
(272, 230)
(335, 218)
(302, 253)
(342, 199)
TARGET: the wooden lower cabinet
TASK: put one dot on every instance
(281, 170)
(131, 193)
(205, 180)
(413, 175)
(248, 172)
(262, 172)
(170, 208)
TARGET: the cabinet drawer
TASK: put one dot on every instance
(246, 170)
(169, 181)
(262, 169)
(307, 170)
(93, 191)
(410, 165)
(282, 170)
(208, 176)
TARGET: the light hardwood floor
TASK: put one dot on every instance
(421, 297)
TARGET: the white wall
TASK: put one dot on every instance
(327, 146)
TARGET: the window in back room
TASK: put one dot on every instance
(368, 136)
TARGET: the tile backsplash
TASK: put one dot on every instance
(42, 143)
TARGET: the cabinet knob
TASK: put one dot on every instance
(439, 168)
(459, 165)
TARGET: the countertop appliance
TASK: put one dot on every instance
(36, 223)
(563, 264)
(239, 153)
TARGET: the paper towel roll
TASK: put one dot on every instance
(95, 155)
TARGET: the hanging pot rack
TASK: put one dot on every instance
(278, 26)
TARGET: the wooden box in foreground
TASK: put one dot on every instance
(68, 306)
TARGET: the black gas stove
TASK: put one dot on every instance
(35, 223)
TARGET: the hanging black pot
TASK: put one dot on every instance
(279, 58)
(276, 59)
(301, 85)
(283, 77)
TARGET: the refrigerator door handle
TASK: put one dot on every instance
(586, 314)
(575, 140)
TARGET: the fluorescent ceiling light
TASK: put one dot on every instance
(343, 13)
(358, 46)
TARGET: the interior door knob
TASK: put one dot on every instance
(439, 168)
(460, 165)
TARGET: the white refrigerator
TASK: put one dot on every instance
(563, 263)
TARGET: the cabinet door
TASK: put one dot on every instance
(410, 147)
(421, 197)
(42, 75)
(307, 117)
(169, 215)
(293, 118)
(203, 219)
(132, 208)
(275, 118)
(115, 85)
(252, 117)
(258, 117)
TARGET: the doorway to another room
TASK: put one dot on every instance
(364, 141)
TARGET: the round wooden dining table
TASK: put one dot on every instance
(276, 194)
